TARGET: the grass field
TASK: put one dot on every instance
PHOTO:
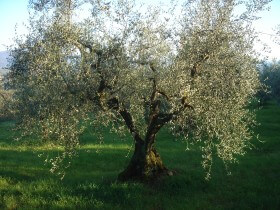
(90, 183)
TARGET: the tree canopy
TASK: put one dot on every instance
(136, 69)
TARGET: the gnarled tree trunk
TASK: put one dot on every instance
(145, 164)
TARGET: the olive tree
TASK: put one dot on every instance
(2, 96)
(137, 70)
(6, 100)
(270, 78)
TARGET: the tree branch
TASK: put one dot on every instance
(113, 103)
(204, 57)
(129, 123)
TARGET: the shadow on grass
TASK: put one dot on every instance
(90, 183)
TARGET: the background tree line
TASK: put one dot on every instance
(269, 73)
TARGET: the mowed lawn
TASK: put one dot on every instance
(90, 183)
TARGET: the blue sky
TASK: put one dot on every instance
(12, 13)
(15, 12)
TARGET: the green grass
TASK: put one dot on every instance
(90, 183)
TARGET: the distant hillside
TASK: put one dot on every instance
(4, 55)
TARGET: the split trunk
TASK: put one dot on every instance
(145, 164)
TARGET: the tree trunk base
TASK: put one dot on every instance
(145, 168)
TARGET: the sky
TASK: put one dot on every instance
(14, 13)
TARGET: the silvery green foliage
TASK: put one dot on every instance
(198, 63)
(6, 100)
(270, 77)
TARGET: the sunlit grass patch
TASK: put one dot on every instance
(106, 146)
(90, 182)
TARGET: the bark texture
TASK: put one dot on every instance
(145, 164)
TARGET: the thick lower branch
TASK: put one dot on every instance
(129, 123)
